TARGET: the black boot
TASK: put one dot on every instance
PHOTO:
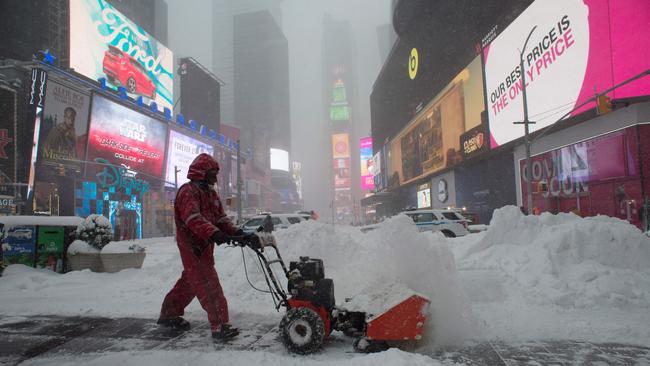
(225, 333)
(177, 323)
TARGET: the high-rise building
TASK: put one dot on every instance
(386, 37)
(31, 25)
(339, 81)
(222, 44)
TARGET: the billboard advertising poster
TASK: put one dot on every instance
(340, 145)
(431, 141)
(279, 159)
(342, 177)
(64, 128)
(579, 48)
(19, 246)
(474, 141)
(424, 196)
(365, 154)
(106, 44)
(125, 138)
(182, 151)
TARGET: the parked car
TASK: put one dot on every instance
(473, 224)
(448, 222)
(280, 221)
(122, 69)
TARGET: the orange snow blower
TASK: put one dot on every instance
(312, 314)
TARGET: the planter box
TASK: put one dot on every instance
(80, 261)
(115, 262)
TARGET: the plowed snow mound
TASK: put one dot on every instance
(565, 259)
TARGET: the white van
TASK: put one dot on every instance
(448, 222)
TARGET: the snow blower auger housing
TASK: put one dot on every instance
(312, 314)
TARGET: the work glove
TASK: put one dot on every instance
(219, 237)
(251, 240)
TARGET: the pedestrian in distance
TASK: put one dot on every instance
(200, 223)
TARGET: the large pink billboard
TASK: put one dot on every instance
(365, 154)
(579, 48)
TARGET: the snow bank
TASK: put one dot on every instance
(130, 246)
(564, 259)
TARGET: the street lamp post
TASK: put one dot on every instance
(526, 122)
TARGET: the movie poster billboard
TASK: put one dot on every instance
(64, 128)
(182, 151)
(125, 138)
(431, 141)
(365, 155)
(106, 44)
(578, 48)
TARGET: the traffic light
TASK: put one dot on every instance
(604, 104)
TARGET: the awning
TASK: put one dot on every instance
(379, 197)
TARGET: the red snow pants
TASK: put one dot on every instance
(200, 279)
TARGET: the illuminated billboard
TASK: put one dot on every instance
(106, 44)
(64, 129)
(340, 145)
(342, 178)
(431, 141)
(579, 48)
(279, 159)
(123, 137)
(365, 155)
(424, 195)
(182, 151)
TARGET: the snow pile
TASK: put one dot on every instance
(80, 246)
(130, 246)
(564, 259)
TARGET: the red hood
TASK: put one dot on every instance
(200, 166)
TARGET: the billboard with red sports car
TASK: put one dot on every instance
(105, 43)
(126, 138)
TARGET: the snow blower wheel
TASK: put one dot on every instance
(302, 331)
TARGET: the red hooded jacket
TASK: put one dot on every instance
(198, 211)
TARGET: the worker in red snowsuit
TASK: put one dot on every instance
(200, 223)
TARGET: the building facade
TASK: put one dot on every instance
(444, 105)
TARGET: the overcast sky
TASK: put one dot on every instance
(190, 35)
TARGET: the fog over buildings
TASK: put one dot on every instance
(203, 30)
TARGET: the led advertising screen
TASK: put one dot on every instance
(424, 196)
(365, 154)
(431, 141)
(182, 151)
(579, 48)
(340, 145)
(342, 178)
(123, 137)
(279, 159)
(104, 43)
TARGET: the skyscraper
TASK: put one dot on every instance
(223, 60)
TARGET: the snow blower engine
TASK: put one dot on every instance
(312, 314)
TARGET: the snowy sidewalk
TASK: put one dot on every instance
(37, 338)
